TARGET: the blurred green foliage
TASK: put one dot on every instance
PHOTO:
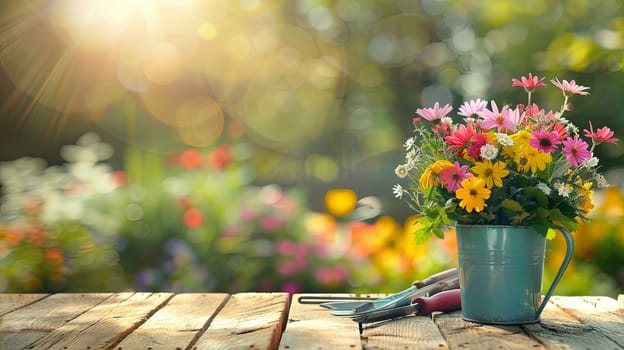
(192, 221)
(188, 221)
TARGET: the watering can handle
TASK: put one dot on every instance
(566, 261)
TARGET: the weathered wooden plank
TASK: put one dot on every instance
(176, 324)
(313, 327)
(469, 335)
(411, 332)
(604, 314)
(559, 330)
(14, 301)
(104, 325)
(24, 326)
(247, 321)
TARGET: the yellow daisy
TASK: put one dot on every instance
(521, 138)
(587, 194)
(529, 158)
(430, 176)
(492, 174)
(473, 194)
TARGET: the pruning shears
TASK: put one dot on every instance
(439, 292)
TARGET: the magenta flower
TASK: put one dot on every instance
(545, 141)
(434, 113)
(570, 88)
(453, 176)
(576, 150)
(476, 142)
(601, 135)
(529, 84)
(503, 119)
(472, 108)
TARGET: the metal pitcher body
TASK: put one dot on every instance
(501, 270)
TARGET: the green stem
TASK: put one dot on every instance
(564, 107)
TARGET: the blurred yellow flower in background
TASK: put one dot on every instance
(340, 202)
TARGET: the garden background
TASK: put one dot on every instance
(186, 145)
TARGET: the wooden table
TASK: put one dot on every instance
(275, 320)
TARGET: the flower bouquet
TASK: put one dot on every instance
(503, 176)
(511, 165)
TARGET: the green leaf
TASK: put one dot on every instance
(557, 215)
(543, 213)
(518, 219)
(438, 232)
(423, 234)
(444, 217)
(512, 205)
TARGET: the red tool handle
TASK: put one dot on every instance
(435, 278)
(448, 300)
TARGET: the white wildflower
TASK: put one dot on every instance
(562, 189)
(504, 139)
(544, 188)
(402, 170)
(572, 129)
(601, 182)
(409, 143)
(411, 157)
(489, 151)
(398, 191)
(446, 120)
(591, 162)
(562, 120)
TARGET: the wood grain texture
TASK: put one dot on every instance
(24, 326)
(604, 314)
(558, 330)
(104, 325)
(411, 332)
(259, 320)
(10, 301)
(313, 327)
(460, 334)
(176, 324)
(247, 321)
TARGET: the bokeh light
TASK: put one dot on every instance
(340, 202)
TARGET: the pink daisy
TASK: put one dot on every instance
(499, 119)
(601, 135)
(529, 84)
(576, 150)
(545, 141)
(516, 117)
(434, 113)
(472, 108)
(453, 176)
(533, 110)
(570, 88)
